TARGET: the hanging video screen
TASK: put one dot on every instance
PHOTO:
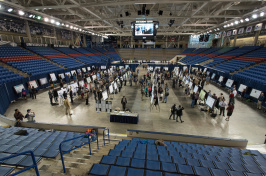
(144, 29)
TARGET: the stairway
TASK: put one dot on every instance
(77, 162)
(44, 58)
(14, 69)
(206, 62)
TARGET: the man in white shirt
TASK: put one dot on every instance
(222, 105)
(30, 115)
(234, 92)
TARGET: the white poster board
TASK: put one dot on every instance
(157, 68)
(195, 68)
(43, 81)
(165, 68)
(184, 79)
(61, 75)
(196, 88)
(208, 73)
(81, 83)
(126, 66)
(213, 75)
(111, 89)
(18, 88)
(73, 87)
(94, 77)
(221, 79)
(184, 68)
(89, 68)
(190, 85)
(121, 67)
(255, 93)
(205, 69)
(33, 83)
(186, 82)
(210, 101)
(105, 95)
(202, 95)
(84, 70)
(68, 74)
(78, 70)
(242, 87)
(88, 80)
(103, 67)
(229, 83)
(73, 71)
(115, 85)
(53, 77)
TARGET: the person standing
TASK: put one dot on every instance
(208, 80)
(166, 94)
(196, 98)
(173, 112)
(124, 102)
(87, 96)
(55, 95)
(142, 93)
(65, 95)
(160, 92)
(24, 94)
(50, 96)
(94, 93)
(71, 95)
(260, 100)
(146, 90)
(231, 97)
(30, 116)
(230, 110)
(179, 113)
(193, 100)
(33, 90)
(222, 106)
(67, 106)
(149, 89)
(156, 102)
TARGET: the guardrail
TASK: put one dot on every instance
(34, 165)
(92, 139)
(106, 135)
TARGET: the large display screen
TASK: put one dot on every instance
(144, 29)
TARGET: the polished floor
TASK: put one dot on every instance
(246, 122)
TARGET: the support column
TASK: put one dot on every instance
(72, 38)
(28, 31)
(178, 41)
(256, 38)
(235, 38)
(166, 42)
(120, 42)
(84, 41)
(55, 40)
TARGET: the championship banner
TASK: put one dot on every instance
(258, 27)
(224, 34)
(241, 31)
(249, 29)
(235, 32)
(228, 33)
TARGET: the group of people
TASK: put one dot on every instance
(178, 111)
(19, 116)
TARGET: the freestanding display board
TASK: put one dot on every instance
(43, 81)
(18, 88)
(210, 102)
(242, 87)
(53, 77)
(33, 83)
(229, 83)
(255, 93)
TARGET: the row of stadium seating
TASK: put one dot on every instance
(142, 157)
(7, 76)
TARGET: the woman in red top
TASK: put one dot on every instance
(230, 110)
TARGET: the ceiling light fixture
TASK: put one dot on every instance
(241, 21)
(247, 19)
(261, 14)
(21, 13)
(52, 21)
(254, 16)
(10, 10)
(46, 19)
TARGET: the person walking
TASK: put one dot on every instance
(156, 102)
(50, 96)
(179, 113)
(193, 99)
(67, 106)
(124, 103)
(260, 100)
(94, 93)
(222, 106)
(71, 96)
(231, 97)
(196, 98)
(166, 94)
(146, 90)
(230, 110)
(142, 93)
(55, 93)
(173, 112)
(24, 94)
(34, 91)
(30, 91)
(18, 115)
(149, 89)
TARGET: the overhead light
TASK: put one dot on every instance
(228, 25)
(39, 17)
(214, 29)
(36, 9)
(21, 13)
(241, 21)
(247, 19)
(225, 26)
(30, 16)
(10, 10)
(71, 27)
(218, 29)
(236, 22)
(63, 24)
(254, 16)
(57, 23)
(261, 14)
(46, 19)
(67, 25)
(52, 21)
(80, 29)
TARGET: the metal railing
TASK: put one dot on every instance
(92, 139)
(34, 165)
(104, 135)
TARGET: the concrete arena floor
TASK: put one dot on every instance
(245, 122)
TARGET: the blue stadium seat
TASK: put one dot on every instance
(153, 165)
(99, 169)
(123, 161)
(169, 167)
(202, 171)
(135, 172)
(5, 170)
(108, 159)
(218, 172)
(153, 173)
(115, 170)
(185, 169)
(138, 163)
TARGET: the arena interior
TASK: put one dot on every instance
(130, 87)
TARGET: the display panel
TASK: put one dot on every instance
(196, 88)
(210, 101)
(43, 81)
(165, 68)
(221, 79)
(202, 95)
(255, 93)
(111, 89)
(61, 75)
(74, 87)
(73, 71)
(121, 67)
(115, 85)
(53, 77)
(105, 95)
(103, 67)
(186, 82)
(33, 83)
(81, 83)
(94, 77)
(242, 87)
(229, 83)
(89, 68)
(184, 68)
(68, 74)
(205, 69)
(88, 80)
(144, 29)
(126, 66)
(18, 88)
(84, 70)
(190, 85)
(150, 68)
(78, 70)
(213, 75)
(98, 76)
